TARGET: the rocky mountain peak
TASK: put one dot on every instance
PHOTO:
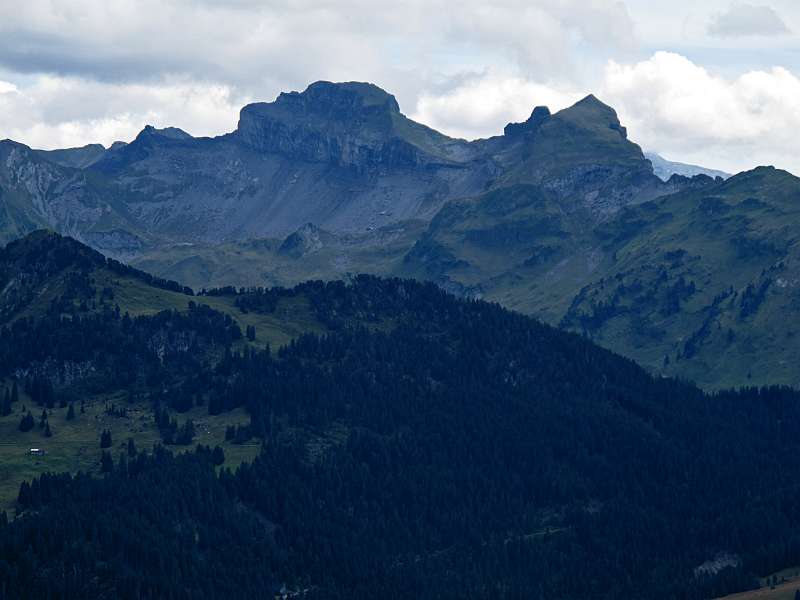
(170, 133)
(539, 115)
(149, 140)
(342, 101)
(353, 125)
(305, 240)
(323, 104)
(591, 113)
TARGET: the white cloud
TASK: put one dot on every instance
(741, 19)
(105, 112)
(6, 87)
(256, 49)
(481, 106)
(668, 103)
(674, 106)
(246, 43)
(541, 35)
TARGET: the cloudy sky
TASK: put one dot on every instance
(715, 82)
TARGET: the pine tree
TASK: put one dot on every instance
(25, 497)
(43, 419)
(186, 433)
(214, 405)
(105, 439)
(14, 392)
(131, 447)
(5, 410)
(71, 412)
(47, 432)
(122, 462)
(27, 423)
(106, 463)
(217, 456)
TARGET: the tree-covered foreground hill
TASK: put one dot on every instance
(413, 446)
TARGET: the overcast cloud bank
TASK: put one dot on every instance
(91, 71)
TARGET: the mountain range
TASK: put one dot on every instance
(561, 217)
(340, 156)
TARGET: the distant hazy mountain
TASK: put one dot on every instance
(665, 169)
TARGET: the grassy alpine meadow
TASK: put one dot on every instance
(75, 443)
(292, 316)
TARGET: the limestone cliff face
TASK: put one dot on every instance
(354, 125)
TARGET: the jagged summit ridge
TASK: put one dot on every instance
(341, 156)
(335, 100)
(171, 133)
(539, 115)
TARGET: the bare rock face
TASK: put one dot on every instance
(115, 242)
(304, 241)
(354, 125)
(39, 192)
(539, 115)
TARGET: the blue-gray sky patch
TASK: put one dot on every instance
(746, 20)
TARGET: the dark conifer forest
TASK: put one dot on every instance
(420, 447)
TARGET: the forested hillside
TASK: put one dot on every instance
(412, 446)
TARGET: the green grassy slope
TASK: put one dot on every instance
(261, 262)
(292, 317)
(700, 284)
(28, 289)
(38, 272)
(75, 444)
(514, 245)
(703, 283)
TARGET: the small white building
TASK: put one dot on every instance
(37, 452)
